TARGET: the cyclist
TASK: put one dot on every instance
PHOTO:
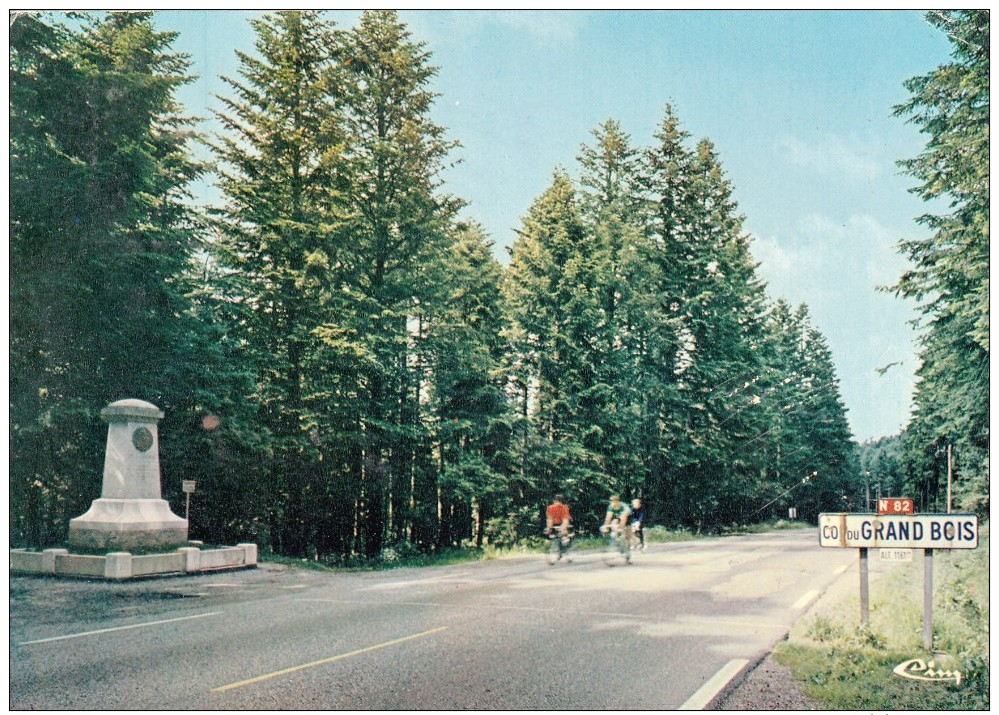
(619, 512)
(635, 520)
(557, 514)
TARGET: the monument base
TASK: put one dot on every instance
(127, 525)
(121, 565)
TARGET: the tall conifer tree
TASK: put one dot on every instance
(950, 274)
(281, 249)
(469, 403)
(554, 299)
(101, 236)
(612, 209)
(807, 448)
(397, 226)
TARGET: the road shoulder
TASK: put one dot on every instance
(765, 685)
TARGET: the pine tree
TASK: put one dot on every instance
(554, 298)
(100, 236)
(282, 253)
(612, 208)
(609, 173)
(950, 274)
(469, 403)
(397, 222)
(660, 272)
(808, 449)
(705, 316)
(723, 321)
(828, 430)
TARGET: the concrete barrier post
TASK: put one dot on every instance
(49, 559)
(249, 554)
(118, 565)
(192, 558)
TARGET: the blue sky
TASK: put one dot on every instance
(797, 103)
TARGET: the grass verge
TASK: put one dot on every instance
(846, 666)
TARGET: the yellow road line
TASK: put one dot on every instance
(286, 671)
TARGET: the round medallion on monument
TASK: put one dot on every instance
(142, 439)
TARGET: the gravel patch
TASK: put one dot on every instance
(769, 686)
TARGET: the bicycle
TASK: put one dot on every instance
(558, 545)
(636, 539)
(618, 544)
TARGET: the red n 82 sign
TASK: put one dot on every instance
(895, 506)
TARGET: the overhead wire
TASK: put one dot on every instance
(780, 496)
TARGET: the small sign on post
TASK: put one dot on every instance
(896, 506)
(893, 505)
(895, 554)
(187, 486)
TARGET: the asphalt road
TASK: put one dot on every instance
(504, 634)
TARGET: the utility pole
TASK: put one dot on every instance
(950, 472)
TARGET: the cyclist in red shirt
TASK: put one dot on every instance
(557, 515)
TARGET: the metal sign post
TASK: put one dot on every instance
(865, 599)
(187, 486)
(928, 599)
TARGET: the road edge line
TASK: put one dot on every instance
(113, 629)
(749, 665)
(806, 600)
(707, 692)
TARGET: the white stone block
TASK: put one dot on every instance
(249, 554)
(49, 559)
(192, 558)
(150, 564)
(118, 565)
(77, 565)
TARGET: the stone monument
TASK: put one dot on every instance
(130, 515)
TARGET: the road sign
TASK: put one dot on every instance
(893, 505)
(187, 486)
(895, 554)
(920, 531)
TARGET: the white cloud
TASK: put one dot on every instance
(835, 267)
(824, 254)
(844, 156)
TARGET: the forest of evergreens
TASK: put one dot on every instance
(345, 364)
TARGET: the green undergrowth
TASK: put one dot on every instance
(847, 666)
(766, 527)
(390, 558)
(407, 556)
